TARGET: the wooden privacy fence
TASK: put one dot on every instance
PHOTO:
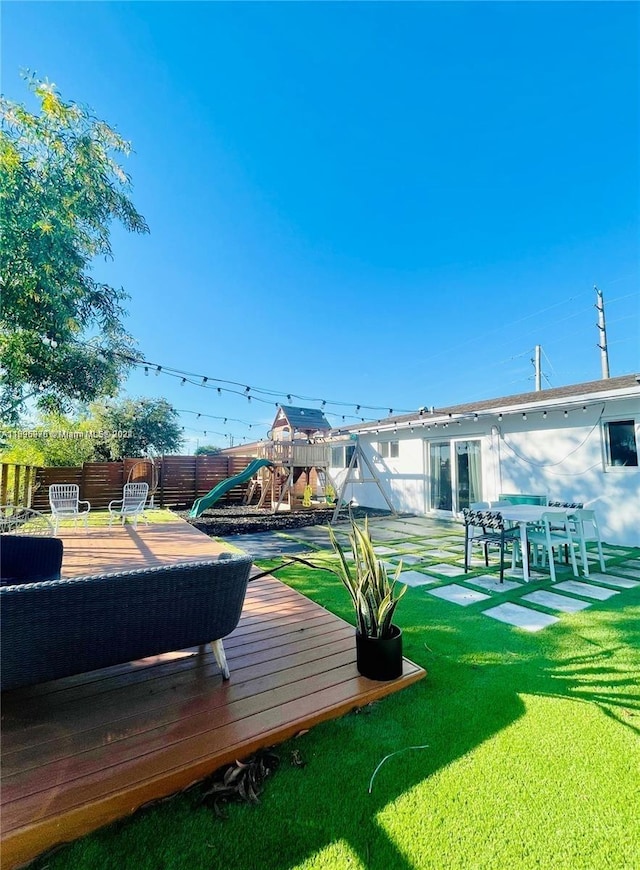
(182, 479)
(17, 484)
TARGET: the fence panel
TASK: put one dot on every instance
(182, 480)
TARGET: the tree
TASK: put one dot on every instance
(137, 427)
(207, 450)
(54, 440)
(61, 187)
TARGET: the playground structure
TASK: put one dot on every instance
(296, 478)
(290, 470)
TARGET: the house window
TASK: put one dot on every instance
(341, 456)
(621, 446)
(389, 449)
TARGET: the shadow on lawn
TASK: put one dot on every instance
(478, 672)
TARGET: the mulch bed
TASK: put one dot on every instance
(238, 520)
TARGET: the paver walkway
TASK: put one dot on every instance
(432, 555)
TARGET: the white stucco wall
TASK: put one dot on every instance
(559, 457)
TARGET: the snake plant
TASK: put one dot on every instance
(374, 595)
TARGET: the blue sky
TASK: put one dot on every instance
(380, 204)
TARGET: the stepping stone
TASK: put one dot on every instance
(384, 551)
(476, 562)
(409, 559)
(521, 617)
(493, 584)
(632, 563)
(576, 587)
(556, 602)
(438, 554)
(517, 574)
(445, 570)
(612, 580)
(382, 535)
(427, 542)
(458, 595)
(627, 572)
(415, 578)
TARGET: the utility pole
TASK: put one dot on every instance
(538, 368)
(602, 344)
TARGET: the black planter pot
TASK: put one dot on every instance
(380, 659)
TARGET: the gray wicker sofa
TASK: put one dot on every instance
(62, 627)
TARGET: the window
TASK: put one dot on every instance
(389, 449)
(621, 447)
(341, 456)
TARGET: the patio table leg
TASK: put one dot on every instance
(525, 552)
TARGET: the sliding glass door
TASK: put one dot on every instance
(454, 475)
(440, 476)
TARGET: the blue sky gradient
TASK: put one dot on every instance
(384, 204)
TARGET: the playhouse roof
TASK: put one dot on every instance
(303, 418)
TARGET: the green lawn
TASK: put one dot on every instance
(100, 518)
(532, 760)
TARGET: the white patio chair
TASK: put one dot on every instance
(554, 531)
(65, 502)
(584, 525)
(24, 521)
(132, 503)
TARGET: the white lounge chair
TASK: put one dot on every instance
(132, 503)
(65, 502)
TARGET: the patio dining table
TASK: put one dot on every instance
(523, 515)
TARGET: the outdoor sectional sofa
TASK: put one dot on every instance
(63, 627)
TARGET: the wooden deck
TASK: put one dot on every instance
(84, 751)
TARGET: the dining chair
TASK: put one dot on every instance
(487, 528)
(570, 506)
(584, 525)
(132, 503)
(64, 499)
(554, 530)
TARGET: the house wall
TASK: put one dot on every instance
(560, 457)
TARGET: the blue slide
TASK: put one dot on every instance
(201, 504)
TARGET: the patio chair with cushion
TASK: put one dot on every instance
(132, 503)
(487, 528)
(65, 502)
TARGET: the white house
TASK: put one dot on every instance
(576, 443)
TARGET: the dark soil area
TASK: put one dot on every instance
(237, 520)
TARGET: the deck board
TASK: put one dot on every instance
(84, 751)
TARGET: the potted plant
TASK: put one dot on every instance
(375, 598)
